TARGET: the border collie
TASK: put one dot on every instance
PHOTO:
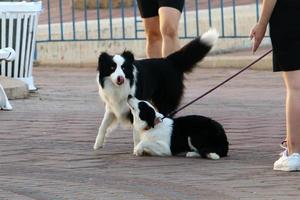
(158, 136)
(159, 80)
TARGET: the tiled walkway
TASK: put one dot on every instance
(46, 143)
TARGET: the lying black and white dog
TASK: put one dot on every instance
(158, 80)
(159, 136)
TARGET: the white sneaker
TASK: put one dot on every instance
(288, 162)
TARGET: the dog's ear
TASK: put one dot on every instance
(147, 114)
(128, 56)
(103, 58)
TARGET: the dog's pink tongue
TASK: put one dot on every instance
(120, 80)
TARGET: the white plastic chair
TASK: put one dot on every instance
(7, 54)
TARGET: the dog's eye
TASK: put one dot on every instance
(112, 67)
(123, 68)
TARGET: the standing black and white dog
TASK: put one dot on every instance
(158, 136)
(158, 80)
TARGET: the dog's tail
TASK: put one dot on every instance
(186, 58)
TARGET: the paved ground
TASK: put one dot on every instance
(46, 144)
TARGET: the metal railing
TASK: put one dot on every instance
(63, 21)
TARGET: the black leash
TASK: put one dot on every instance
(217, 86)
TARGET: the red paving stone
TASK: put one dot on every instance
(46, 143)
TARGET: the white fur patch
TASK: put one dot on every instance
(192, 154)
(191, 146)
(117, 73)
(213, 156)
(210, 37)
(119, 60)
(155, 141)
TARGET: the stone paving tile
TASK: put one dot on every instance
(46, 143)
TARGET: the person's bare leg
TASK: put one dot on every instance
(169, 22)
(292, 82)
(153, 37)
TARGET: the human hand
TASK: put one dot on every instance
(258, 33)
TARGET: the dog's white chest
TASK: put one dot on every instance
(115, 98)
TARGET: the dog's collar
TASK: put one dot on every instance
(156, 121)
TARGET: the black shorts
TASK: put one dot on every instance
(149, 8)
(285, 35)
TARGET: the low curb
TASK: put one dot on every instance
(14, 89)
(238, 61)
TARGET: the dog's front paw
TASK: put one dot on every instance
(213, 156)
(97, 146)
(192, 154)
(134, 152)
(138, 152)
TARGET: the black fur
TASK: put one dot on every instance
(206, 135)
(106, 66)
(147, 114)
(158, 80)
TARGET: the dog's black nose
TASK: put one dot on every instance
(129, 97)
